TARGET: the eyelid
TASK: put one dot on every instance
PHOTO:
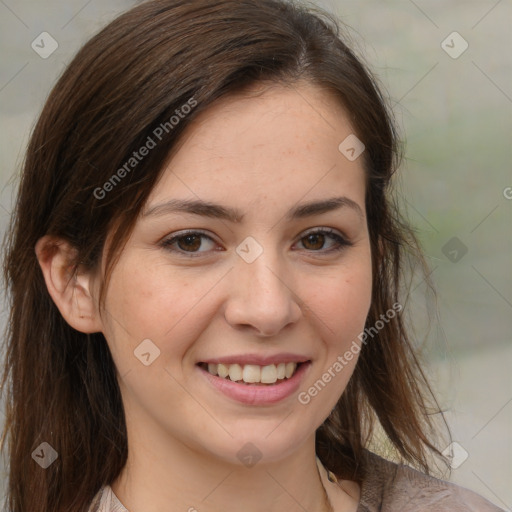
(166, 242)
(342, 240)
(329, 231)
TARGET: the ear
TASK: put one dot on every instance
(71, 291)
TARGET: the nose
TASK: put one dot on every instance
(261, 297)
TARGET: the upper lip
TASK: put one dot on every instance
(258, 359)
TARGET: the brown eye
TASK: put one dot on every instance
(188, 244)
(315, 241)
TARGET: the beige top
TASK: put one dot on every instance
(388, 487)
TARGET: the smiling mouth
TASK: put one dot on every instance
(252, 374)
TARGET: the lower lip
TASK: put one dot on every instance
(258, 395)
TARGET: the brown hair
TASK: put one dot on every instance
(124, 83)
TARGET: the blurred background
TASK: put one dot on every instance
(446, 68)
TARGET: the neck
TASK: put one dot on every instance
(159, 472)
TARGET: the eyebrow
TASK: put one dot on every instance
(208, 209)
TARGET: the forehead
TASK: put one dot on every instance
(270, 144)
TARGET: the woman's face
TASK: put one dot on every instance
(255, 290)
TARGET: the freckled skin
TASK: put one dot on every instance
(262, 155)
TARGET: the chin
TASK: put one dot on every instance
(256, 445)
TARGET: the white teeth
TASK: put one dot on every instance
(222, 370)
(252, 373)
(235, 372)
(269, 374)
(290, 368)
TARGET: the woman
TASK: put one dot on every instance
(205, 267)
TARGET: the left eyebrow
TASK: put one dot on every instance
(325, 206)
(213, 210)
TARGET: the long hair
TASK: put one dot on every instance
(123, 86)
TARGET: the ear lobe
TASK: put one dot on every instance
(70, 290)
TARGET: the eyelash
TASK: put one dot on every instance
(341, 242)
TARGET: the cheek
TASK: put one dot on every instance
(341, 309)
(341, 305)
(154, 302)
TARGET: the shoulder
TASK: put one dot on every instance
(389, 487)
(106, 501)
